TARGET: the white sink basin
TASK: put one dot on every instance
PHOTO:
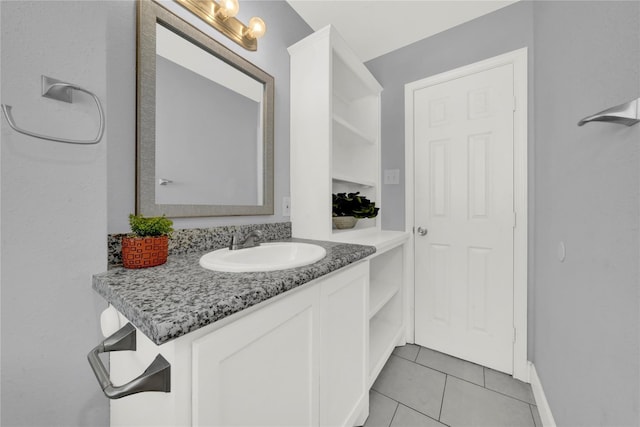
(266, 257)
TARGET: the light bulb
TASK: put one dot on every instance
(228, 8)
(257, 28)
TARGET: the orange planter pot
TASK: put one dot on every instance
(143, 252)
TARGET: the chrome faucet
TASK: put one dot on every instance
(251, 240)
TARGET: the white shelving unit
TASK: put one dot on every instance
(388, 295)
(335, 148)
(335, 132)
(385, 282)
(386, 323)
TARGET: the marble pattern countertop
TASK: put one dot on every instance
(178, 297)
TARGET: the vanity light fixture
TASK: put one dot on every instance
(225, 9)
(256, 28)
(221, 16)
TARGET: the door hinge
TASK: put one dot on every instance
(514, 335)
(515, 103)
(513, 220)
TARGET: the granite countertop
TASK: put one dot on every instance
(171, 300)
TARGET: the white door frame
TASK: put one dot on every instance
(519, 60)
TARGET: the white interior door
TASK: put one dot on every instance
(464, 198)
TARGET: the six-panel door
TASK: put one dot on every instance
(464, 198)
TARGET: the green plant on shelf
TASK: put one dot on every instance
(353, 204)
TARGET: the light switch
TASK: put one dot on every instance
(392, 176)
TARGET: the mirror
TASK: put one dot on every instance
(204, 125)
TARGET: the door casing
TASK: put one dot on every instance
(520, 163)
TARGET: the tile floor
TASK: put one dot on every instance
(421, 387)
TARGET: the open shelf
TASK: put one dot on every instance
(382, 334)
(385, 331)
(345, 132)
(355, 163)
(337, 176)
(386, 278)
(385, 305)
(350, 83)
(380, 351)
(379, 297)
(340, 97)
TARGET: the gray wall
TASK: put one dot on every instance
(54, 221)
(583, 313)
(284, 27)
(586, 327)
(58, 202)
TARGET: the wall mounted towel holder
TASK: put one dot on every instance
(157, 377)
(60, 91)
(627, 114)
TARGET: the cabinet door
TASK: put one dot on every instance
(261, 370)
(344, 351)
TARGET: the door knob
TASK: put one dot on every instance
(422, 231)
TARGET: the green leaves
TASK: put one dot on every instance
(153, 226)
(353, 204)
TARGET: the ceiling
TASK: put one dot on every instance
(375, 27)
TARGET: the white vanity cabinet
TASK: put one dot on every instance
(301, 360)
(262, 369)
(344, 351)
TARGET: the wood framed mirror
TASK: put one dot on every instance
(204, 123)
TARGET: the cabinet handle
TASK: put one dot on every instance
(157, 377)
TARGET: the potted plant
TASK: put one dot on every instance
(148, 243)
(348, 208)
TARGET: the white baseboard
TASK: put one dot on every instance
(541, 400)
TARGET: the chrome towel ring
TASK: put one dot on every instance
(61, 91)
